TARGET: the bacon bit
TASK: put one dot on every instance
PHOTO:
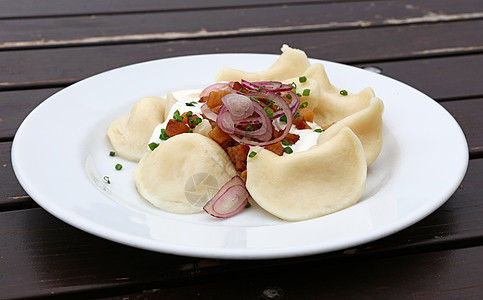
(244, 175)
(300, 123)
(223, 139)
(238, 155)
(215, 98)
(187, 122)
(174, 128)
(291, 138)
(236, 86)
(327, 126)
(307, 114)
(276, 148)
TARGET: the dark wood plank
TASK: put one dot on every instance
(12, 194)
(468, 115)
(440, 78)
(161, 26)
(453, 274)
(50, 8)
(16, 105)
(60, 258)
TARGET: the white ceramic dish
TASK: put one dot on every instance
(60, 155)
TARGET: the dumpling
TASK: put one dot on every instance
(183, 173)
(129, 135)
(366, 124)
(326, 178)
(330, 106)
(291, 63)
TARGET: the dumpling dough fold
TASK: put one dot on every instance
(326, 178)
(129, 135)
(366, 124)
(183, 173)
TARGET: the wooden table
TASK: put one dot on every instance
(435, 46)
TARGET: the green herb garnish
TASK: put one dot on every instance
(177, 116)
(118, 167)
(163, 136)
(287, 150)
(343, 92)
(269, 112)
(306, 92)
(249, 128)
(283, 119)
(192, 103)
(153, 146)
(304, 105)
(252, 154)
(285, 143)
(302, 79)
(107, 180)
(112, 153)
(319, 130)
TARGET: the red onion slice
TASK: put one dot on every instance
(229, 200)
(206, 111)
(215, 87)
(281, 103)
(268, 86)
(239, 106)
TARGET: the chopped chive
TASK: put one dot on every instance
(249, 128)
(302, 79)
(112, 153)
(304, 105)
(189, 114)
(190, 131)
(294, 85)
(343, 92)
(269, 112)
(198, 121)
(306, 92)
(283, 119)
(254, 99)
(252, 154)
(153, 146)
(107, 180)
(319, 130)
(163, 136)
(260, 89)
(247, 205)
(298, 94)
(192, 103)
(285, 143)
(288, 96)
(118, 167)
(177, 116)
(297, 115)
(287, 150)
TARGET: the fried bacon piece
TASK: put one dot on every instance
(223, 139)
(306, 113)
(238, 155)
(175, 127)
(276, 148)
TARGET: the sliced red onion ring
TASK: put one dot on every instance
(281, 103)
(215, 87)
(268, 86)
(225, 122)
(208, 113)
(240, 107)
(294, 106)
(229, 200)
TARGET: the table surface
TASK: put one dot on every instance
(435, 46)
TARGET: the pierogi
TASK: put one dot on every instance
(183, 172)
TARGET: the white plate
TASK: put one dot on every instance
(60, 155)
